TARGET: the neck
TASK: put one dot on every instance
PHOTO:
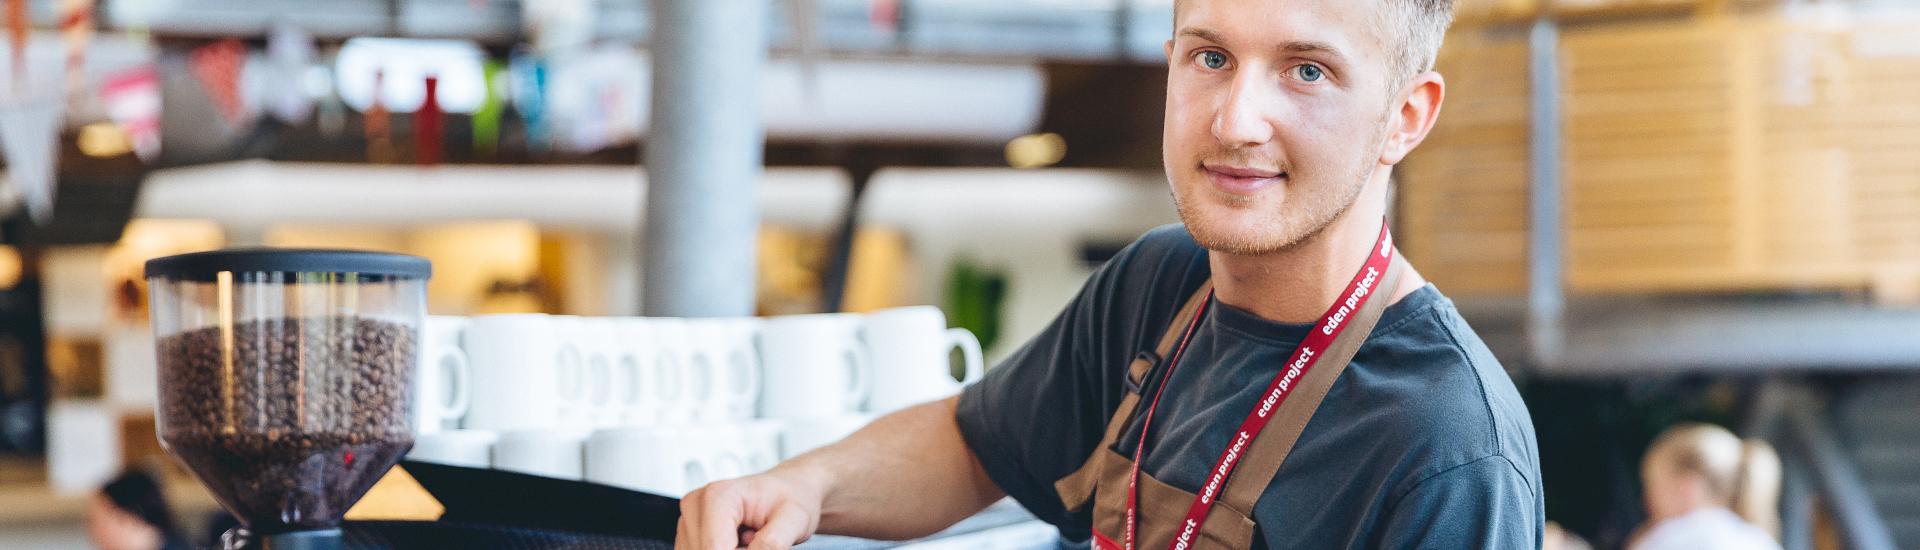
(1687, 495)
(1297, 285)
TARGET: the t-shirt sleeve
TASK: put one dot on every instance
(1037, 415)
(1486, 503)
(1027, 419)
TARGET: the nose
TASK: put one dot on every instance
(1242, 120)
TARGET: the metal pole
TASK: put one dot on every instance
(833, 291)
(1796, 503)
(1546, 286)
(1846, 494)
(703, 159)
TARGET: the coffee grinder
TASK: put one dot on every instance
(286, 380)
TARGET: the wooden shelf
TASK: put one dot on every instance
(1701, 154)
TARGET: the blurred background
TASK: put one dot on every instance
(1655, 211)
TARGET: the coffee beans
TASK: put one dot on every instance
(288, 420)
(287, 483)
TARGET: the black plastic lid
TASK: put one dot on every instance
(203, 266)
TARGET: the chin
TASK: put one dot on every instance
(1237, 230)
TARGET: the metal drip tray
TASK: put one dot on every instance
(409, 535)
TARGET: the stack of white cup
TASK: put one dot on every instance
(664, 404)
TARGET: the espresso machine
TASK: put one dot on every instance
(286, 380)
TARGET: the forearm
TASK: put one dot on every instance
(907, 475)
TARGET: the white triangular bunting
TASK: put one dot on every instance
(30, 143)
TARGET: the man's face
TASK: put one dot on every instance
(1276, 115)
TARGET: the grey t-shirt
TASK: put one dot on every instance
(1422, 443)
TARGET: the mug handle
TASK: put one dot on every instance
(860, 374)
(969, 353)
(670, 377)
(703, 376)
(600, 375)
(636, 380)
(750, 389)
(459, 380)
(573, 371)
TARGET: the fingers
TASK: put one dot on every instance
(682, 531)
(709, 520)
(722, 512)
(788, 524)
(760, 513)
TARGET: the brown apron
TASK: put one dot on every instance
(1102, 479)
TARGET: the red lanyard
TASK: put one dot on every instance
(1304, 357)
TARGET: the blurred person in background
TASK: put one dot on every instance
(130, 513)
(1706, 489)
(1558, 538)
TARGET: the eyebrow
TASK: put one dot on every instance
(1296, 46)
(1203, 34)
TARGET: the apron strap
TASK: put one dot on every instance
(1271, 447)
(1077, 487)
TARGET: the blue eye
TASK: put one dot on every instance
(1310, 73)
(1213, 60)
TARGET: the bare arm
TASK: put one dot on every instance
(907, 475)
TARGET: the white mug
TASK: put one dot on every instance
(609, 380)
(797, 436)
(650, 373)
(726, 463)
(725, 358)
(658, 459)
(759, 444)
(667, 349)
(813, 366)
(909, 348)
(731, 450)
(551, 453)
(441, 378)
(583, 370)
(530, 371)
(469, 448)
(514, 380)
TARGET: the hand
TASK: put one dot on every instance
(771, 511)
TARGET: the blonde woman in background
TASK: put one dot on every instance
(1706, 489)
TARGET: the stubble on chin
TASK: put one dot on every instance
(1268, 234)
(1289, 225)
(1277, 232)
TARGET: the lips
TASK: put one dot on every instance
(1242, 180)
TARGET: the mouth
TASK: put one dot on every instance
(1242, 180)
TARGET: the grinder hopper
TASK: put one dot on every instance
(286, 379)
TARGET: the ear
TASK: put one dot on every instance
(1414, 117)
(1168, 49)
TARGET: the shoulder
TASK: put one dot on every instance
(1434, 391)
(1151, 277)
(1164, 251)
(1711, 528)
(1170, 240)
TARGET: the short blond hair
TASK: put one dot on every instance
(1423, 25)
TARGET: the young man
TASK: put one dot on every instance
(1267, 422)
